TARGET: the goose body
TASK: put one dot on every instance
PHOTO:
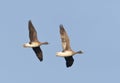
(34, 42)
(64, 54)
(67, 52)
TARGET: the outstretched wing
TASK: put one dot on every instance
(38, 52)
(64, 38)
(69, 61)
(32, 32)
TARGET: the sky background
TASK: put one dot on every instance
(92, 25)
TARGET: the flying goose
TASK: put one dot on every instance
(67, 52)
(34, 42)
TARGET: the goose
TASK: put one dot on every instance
(67, 52)
(34, 42)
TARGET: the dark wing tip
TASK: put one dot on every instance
(38, 53)
(29, 20)
(69, 61)
(62, 30)
(61, 26)
(30, 23)
(41, 59)
(69, 64)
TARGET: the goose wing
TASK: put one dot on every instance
(64, 38)
(69, 61)
(38, 52)
(32, 32)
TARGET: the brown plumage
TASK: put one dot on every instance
(34, 42)
(67, 52)
(32, 32)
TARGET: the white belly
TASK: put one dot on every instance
(27, 45)
(64, 54)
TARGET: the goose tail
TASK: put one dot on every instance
(80, 52)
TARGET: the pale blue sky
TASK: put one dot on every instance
(92, 25)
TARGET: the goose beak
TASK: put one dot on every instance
(24, 45)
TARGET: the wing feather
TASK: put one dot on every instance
(69, 61)
(38, 52)
(32, 32)
(65, 39)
